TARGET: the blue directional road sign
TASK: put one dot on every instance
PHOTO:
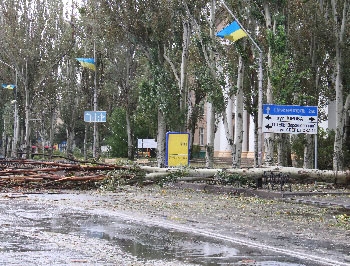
(95, 116)
(292, 119)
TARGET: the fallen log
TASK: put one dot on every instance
(60, 172)
(299, 174)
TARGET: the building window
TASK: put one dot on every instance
(201, 108)
(201, 136)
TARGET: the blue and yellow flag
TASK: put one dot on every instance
(8, 86)
(232, 32)
(88, 63)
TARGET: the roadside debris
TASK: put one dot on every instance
(52, 174)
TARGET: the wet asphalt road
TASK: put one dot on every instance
(37, 231)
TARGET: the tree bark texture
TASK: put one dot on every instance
(339, 21)
(239, 116)
(269, 137)
(299, 174)
(161, 139)
(308, 152)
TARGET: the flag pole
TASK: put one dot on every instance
(250, 37)
(260, 88)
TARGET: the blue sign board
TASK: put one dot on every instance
(95, 116)
(291, 119)
(273, 109)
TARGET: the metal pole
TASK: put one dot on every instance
(316, 150)
(95, 109)
(260, 85)
(15, 124)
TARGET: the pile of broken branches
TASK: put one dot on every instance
(52, 174)
(73, 174)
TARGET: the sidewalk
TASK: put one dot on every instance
(326, 198)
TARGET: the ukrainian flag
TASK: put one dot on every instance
(88, 63)
(232, 32)
(8, 86)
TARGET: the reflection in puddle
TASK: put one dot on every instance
(149, 242)
(156, 243)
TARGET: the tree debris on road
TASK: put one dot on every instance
(52, 173)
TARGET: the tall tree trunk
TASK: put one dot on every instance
(130, 106)
(182, 78)
(186, 25)
(71, 122)
(161, 134)
(309, 159)
(339, 32)
(192, 114)
(209, 156)
(70, 140)
(308, 152)
(211, 63)
(3, 146)
(209, 148)
(227, 120)
(8, 147)
(269, 137)
(51, 133)
(237, 155)
(130, 132)
(283, 146)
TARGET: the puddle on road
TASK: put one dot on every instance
(157, 243)
(145, 242)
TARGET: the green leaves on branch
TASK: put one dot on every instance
(278, 40)
(160, 91)
(287, 81)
